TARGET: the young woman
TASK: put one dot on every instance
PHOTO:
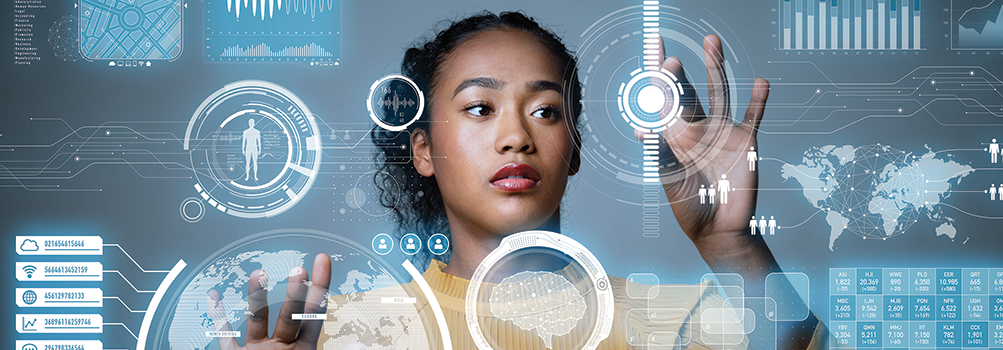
(492, 156)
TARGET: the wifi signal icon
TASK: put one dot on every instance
(29, 269)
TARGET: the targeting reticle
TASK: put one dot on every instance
(649, 101)
(254, 149)
(395, 102)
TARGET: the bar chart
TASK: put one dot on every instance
(850, 25)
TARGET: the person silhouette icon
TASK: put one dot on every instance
(410, 244)
(438, 244)
(752, 157)
(383, 244)
(723, 187)
(994, 151)
(752, 225)
(703, 194)
(251, 147)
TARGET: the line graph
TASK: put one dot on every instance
(273, 30)
(977, 24)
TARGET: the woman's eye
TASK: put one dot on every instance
(545, 113)
(479, 111)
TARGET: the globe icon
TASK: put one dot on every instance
(29, 297)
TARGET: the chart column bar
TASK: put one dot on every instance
(881, 25)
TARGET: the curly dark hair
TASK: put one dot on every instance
(414, 199)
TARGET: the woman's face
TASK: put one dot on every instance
(498, 143)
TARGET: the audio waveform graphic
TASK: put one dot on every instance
(396, 102)
(292, 6)
(263, 50)
(978, 25)
(260, 30)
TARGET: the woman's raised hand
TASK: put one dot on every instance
(711, 150)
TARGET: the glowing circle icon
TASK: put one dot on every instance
(395, 102)
(192, 210)
(649, 101)
(254, 148)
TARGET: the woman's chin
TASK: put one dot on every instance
(519, 221)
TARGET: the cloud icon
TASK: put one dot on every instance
(29, 246)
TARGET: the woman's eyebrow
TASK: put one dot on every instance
(542, 85)
(490, 83)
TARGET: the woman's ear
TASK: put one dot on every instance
(421, 153)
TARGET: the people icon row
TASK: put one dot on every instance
(994, 151)
(707, 194)
(762, 224)
(410, 244)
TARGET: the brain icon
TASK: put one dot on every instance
(538, 300)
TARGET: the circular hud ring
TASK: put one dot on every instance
(254, 149)
(649, 101)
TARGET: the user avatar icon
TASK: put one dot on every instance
(410, 244)
(383, 244)
(438, 244)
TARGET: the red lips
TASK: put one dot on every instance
(515, 177)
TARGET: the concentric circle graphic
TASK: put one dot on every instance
(192, 210)
(619, 96)
(649, 101)
(254, 149)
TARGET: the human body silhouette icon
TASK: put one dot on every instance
(723, 187)
(994, 151)
(251, 147)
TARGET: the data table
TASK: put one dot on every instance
(916, 308)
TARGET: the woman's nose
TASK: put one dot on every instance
(513, 133)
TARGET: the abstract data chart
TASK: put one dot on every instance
(273, 31)
(130, 29)
(850, 25)
(976, 25)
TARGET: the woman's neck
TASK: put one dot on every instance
(471, 246)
